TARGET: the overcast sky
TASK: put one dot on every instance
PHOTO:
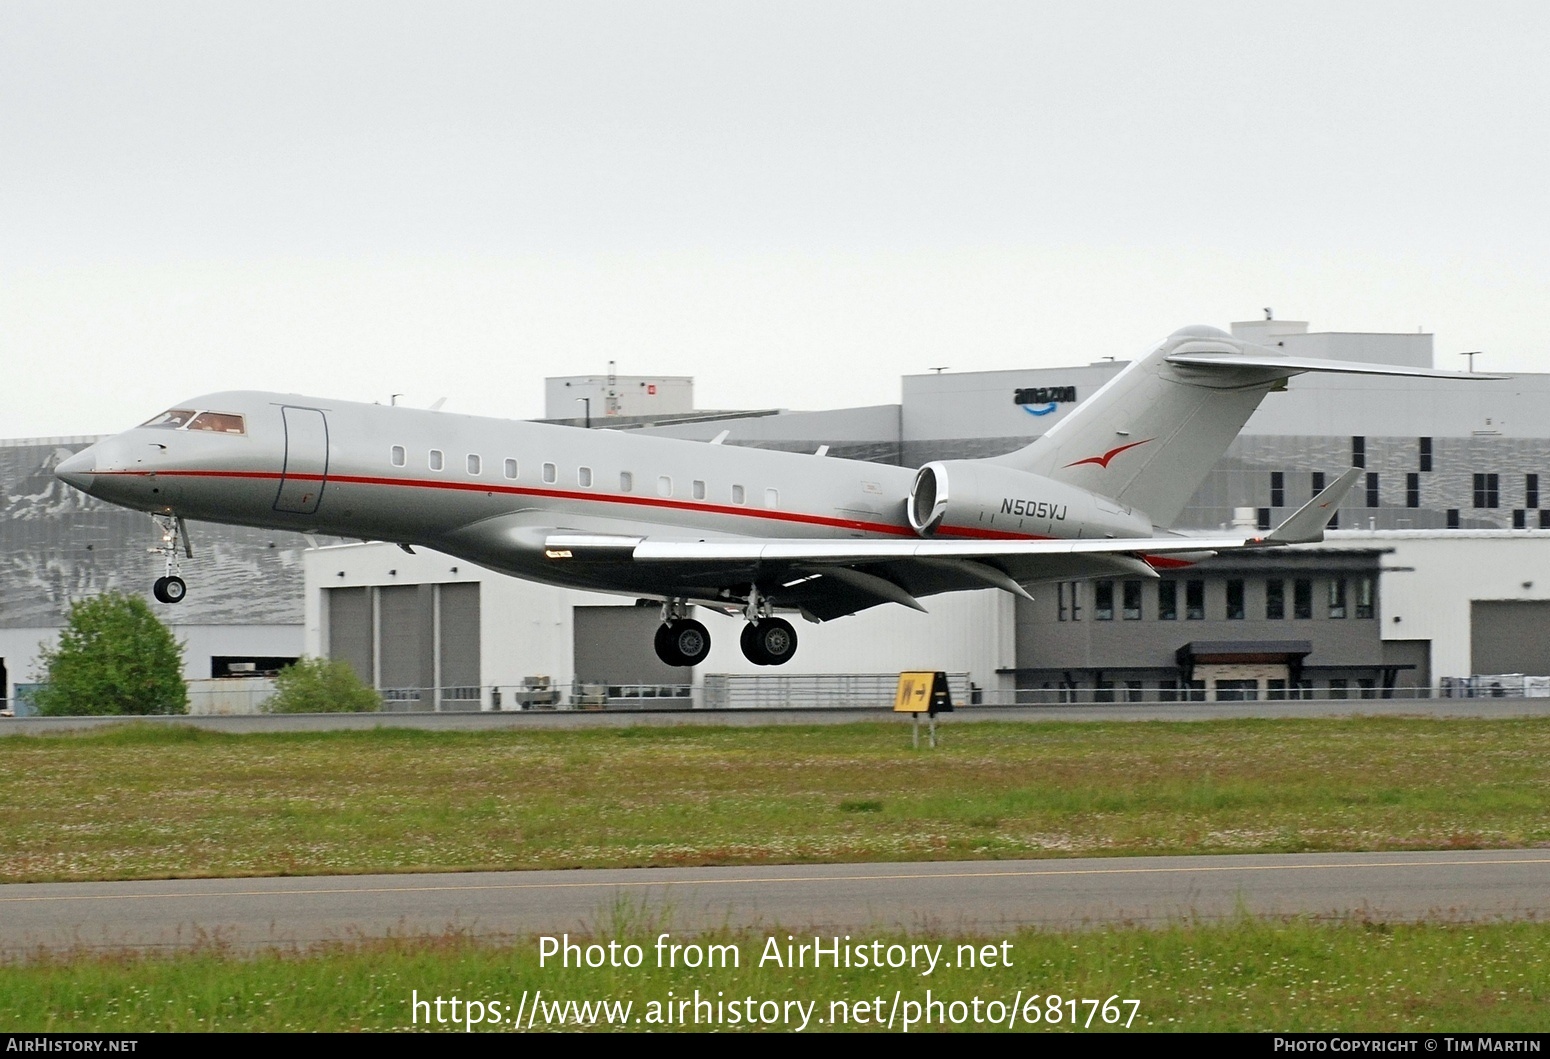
(794, 202)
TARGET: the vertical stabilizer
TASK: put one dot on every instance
(1149, 437)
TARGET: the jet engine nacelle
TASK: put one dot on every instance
(951, 495)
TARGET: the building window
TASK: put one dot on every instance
(1301, 689)
(1337, 597)
(472, 464)
(1277, 488)
(1531, 490)
(1302, 598)
(1069, 601)
(1358, 452)
(1275, 689)
(1425, 463)
(511, 469)
(1133, 691)
(664, 486)
(1194, 600)
(1275, 599)
(1519, 518)
(1368, 687)
(1453, 518)
(1237, 691)
(1167, 690)
(1235, 599)
(551, 473)
(437, 460)
(1487, 493)
(399, 456)
(1364, 596)
(1103, 601)
(1339, 688)
(1103, 691)
(1195, 691)
(737, 494)
(1318, 483)
(698, 490)
(1544, 520)
(1168, 601)
(1412, 490)
(584, 477)
(626, 482)
(1132, 601)
(1262, 518)
(1372, 489)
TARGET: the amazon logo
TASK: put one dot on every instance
(1042, 400)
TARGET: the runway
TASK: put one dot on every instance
(967, 897)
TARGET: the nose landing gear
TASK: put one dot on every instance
(171, 588)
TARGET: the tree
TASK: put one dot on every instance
(113, 657)
(321, 685)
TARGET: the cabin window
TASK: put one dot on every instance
(584, 477)
(664, 486)
(771, 498)
(218, 423)
(699, 490)
(511, 469)
(170, 419)
(626, 482)
(551, 473)
(473, 463)
(437, 461)
(737, 495)
(399, 456)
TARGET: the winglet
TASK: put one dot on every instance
(1306, 524)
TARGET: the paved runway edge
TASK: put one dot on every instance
(968, 897)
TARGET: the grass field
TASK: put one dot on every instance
(146, 803)
(1260, 976)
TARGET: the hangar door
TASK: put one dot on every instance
(1510, 636)
(418, 644)
(614, 646)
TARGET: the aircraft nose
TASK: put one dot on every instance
(79, 470)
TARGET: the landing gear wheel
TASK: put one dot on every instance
(682, 643)
(169, 590)
(772, 642)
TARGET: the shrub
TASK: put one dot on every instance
(113, 657)
(321, 685)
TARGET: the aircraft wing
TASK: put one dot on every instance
(828, 578)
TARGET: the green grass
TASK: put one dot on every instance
(156, 802)
(1252, 975)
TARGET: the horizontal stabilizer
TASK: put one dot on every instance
(1306, 524)
(1297, 365)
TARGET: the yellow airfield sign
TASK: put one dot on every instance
(923, 692)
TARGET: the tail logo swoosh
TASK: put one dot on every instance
(1103, 461)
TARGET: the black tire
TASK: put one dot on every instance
(159, 590)
(665, 649)
(776, 639)
(173, 590)
(749, 642)
(691, 641)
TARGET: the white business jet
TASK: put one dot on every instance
(748, 532)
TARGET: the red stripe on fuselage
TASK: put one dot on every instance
(598, 498)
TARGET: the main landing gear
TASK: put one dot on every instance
(766, 639)
(171, 588)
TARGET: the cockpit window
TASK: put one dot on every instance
(218, 422)
(170, 420)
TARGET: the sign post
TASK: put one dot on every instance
(923, 692)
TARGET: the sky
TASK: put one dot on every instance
(796, 203)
